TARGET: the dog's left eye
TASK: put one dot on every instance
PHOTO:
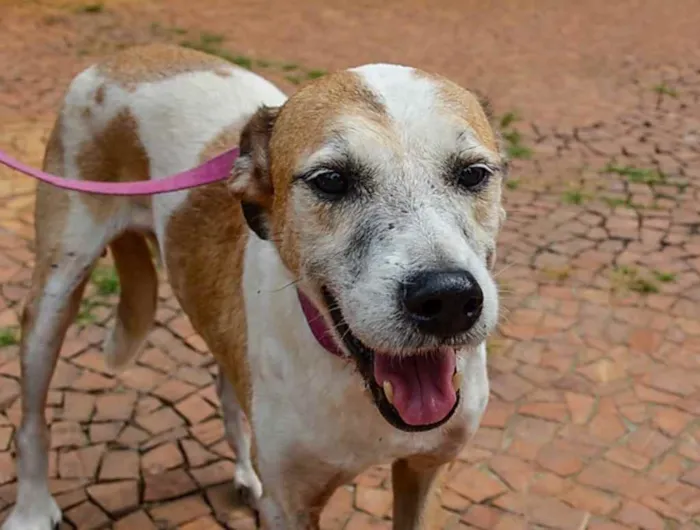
(470, 177)
(330, 183)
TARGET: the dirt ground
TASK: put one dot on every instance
(594, 419)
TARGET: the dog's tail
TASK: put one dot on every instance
(138, 298)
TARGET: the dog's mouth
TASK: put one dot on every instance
(413, 392)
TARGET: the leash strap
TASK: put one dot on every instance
(214, 170)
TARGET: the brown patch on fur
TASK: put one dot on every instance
(205, 246)
(52, 203)
(251, 179)
(100, 94)
(115, 154)
(466, 105)
(303, 125)
(157, 62)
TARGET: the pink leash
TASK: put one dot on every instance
(214, 170)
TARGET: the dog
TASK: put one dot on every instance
(341, 277)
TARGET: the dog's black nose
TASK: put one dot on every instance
(443, 303)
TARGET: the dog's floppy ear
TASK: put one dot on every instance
(250, 179)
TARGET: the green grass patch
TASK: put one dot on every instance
(85, 315)
(574, 197)
(558, 274)
(512, 184)
(211, 43)
(630, 278)
(508, 119)
(664, 277)
(614, 202)
(662, 89)
(515, 146)
(315, 74)
(93, 8)
(106, 281)
(636, 174)
(8, 337)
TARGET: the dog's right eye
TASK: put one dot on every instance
(331, 184)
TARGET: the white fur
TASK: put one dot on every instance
(304, 397)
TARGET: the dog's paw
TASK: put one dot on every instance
(248, 486)
(42, 515)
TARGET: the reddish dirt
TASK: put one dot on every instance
(594, 420)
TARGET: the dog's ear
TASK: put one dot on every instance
(250, 179)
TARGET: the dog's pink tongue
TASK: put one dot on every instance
(422, 384)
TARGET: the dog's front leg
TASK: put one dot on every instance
(415, 493)
(296, 492)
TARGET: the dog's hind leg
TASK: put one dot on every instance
(138, 298)
(238, 434)
(68, 242)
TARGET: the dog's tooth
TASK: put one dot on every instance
(388, 391)
(457, 380)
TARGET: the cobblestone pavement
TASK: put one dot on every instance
(594, 420)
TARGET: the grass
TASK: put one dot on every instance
(512, 184)
(662, 89)
(512, 137)
(614, 202)
(514, 145)
(637, 175)
(106, 281)
(315, 74)
(85, 315)
(96, 7)
(631, 279)
(574, 197)
(508, 119)
(558, 274)
(664, 277)
(211, 43)
(8, 337)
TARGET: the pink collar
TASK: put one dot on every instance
(214, 170)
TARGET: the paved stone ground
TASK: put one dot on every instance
(594, 420)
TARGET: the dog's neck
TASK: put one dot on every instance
(318, 326)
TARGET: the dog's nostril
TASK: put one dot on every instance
(471, 307)
(430, 308)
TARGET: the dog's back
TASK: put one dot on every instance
(145, 113)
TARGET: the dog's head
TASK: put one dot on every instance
(381, 189)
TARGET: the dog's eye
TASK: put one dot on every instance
(470, 177)
(330, 183)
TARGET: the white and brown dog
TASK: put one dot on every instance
(340, 278)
